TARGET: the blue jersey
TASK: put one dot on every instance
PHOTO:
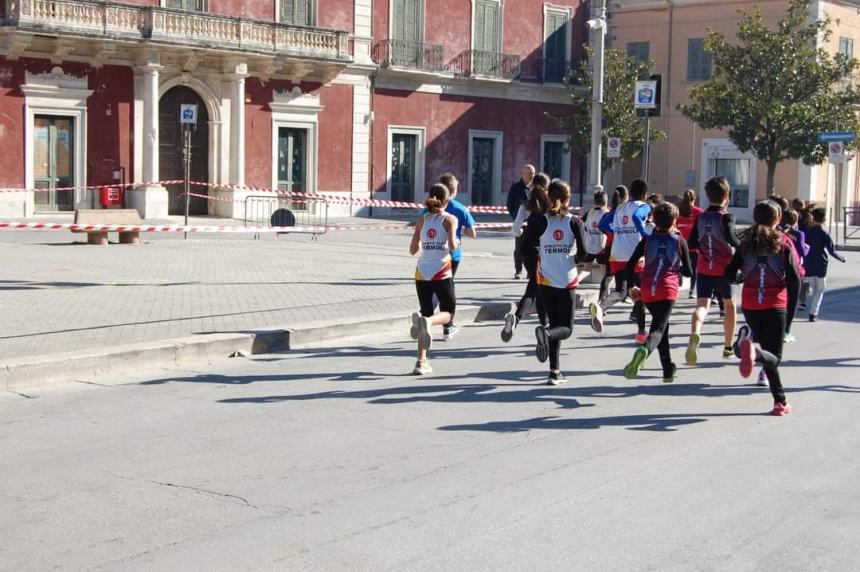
(464, 220)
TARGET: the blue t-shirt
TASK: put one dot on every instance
(464, 220)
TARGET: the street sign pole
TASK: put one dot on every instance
(186, 155)
(646, 152)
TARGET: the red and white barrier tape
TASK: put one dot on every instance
(89, 187)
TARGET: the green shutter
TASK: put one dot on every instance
(486, 26)
(406, 20)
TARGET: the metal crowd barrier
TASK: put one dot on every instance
(850, 218)
(287, 210)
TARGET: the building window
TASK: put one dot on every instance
(555, 158)
(53, 162)
(640, 50)
(406, 33)
(296, 12)
(698, 61)
(846, 48)
(556, 48)
(487, 36)
(406, 163)
(485, 166)
(190, 5)
(292, 159)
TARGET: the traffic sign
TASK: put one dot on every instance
(613, 148)
(836, 152)
(646, 94)
(829, 136)
(188, 113)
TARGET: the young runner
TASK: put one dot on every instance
(619, 197)
(666, 259)
(628, 228)
(538, 202)
(688, 212)
(559, 237)
(715, 239)
(596, 240)
(465, 224)
(435, 237)
(766, 263)
(801, 249)
(815, 263)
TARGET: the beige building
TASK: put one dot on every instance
(670, 32)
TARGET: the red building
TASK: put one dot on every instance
(341, 96)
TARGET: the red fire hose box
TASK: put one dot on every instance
(110, 196)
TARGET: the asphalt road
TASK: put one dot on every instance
(338, 459)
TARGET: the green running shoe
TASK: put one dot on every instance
(639, 357)
(692, 355)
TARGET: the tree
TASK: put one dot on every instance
(776, 89)
(619, 117)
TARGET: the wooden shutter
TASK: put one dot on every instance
(406, 20)
(296, 12)
(487, 26)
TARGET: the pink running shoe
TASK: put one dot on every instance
(780, 409)
(641, 338)
(747, 357)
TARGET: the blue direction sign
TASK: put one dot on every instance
(835, 136)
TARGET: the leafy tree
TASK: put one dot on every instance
(620, 73)
(776, 89)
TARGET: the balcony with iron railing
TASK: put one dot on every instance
(410, 55)
(495, 65)
(111, 20)
(545, 71)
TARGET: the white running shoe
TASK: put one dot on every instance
(415, 328)
(450, 331)
(510, 326)
(556, 378)
(425, 340)
(762, 379)
(422, 367)
(596, 313)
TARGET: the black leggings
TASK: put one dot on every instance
(560, 304)
(623, 283)
(658, 338)
(694, 260)
(767, 328)
(531, 297)
(793, 301)
(444, 292)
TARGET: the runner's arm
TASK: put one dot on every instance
(578, 235)
(450, 223)
(730, 230)
(469, 228)
(605, 224)
(686, 264)
(792, 281)
(636, 257)
(831, 248)
(734, 267)
(639, 217)
(416, 236)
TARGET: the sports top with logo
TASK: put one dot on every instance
(764, 280)
(626, 235)
(661, 276)
(557, 264)
(595, 240)
(715, 252)
(435, 260)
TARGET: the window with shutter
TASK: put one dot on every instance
(406, 32)
(556, 49)
(639, 50)
(698, 61)
(190, 5)
(297, 12)
(487, 26)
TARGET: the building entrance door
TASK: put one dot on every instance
(53, 160)
(723, 159)
(483, 156)
(170, 142)
(403, 167)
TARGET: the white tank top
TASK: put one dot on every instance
(625, 236)
(434, 263)
(595, 240)
(556, 265)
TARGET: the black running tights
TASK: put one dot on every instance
(658, 338)
(559, 304)
(768, 327)
(531, 297)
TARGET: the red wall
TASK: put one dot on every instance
(448, 120)
(11, 124)
(334, 172)
(337, 14)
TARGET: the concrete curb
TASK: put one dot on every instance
(87, 365)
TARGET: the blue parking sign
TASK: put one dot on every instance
(188, 113)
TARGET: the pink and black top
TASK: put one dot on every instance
(768, 281)
(715, 239)
(666, 259)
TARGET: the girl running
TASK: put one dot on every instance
(768, 270)
(435, 236)
(688, 212)
(666, 259)
(537, 202)
(596, 241)
(559, 237)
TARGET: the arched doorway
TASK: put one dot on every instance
(170, 166)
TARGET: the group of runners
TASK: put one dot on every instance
(647, 246)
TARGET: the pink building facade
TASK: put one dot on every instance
(359, 97)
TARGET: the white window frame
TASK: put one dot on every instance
(565, 160)
(497, 162)
(297, 111)
(163, 4)
(500, 24)
(421, 24)
(59, 95)
(420, 150)
(568, 42)
(721, 148)
(314, 12)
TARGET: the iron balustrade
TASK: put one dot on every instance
(412, 55)
(476, 63)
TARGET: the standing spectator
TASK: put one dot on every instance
(517, 196)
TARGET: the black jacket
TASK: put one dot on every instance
(518, 194)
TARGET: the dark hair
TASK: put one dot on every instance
(806, 214)
(685, 205)
(790, 217)
(439, 195)
(819, 215)
(559, 197)
(448, 180)
(655, 199)
(762, 238)
(665, 215)
(538, 201)
(638, 189)
(780, 201)
(619, 196)
(798, 205)
(717, 190)
(600, 198)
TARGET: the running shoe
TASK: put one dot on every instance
(641, 338)
(813, 317)
(518, 276)
(747, 357)
(596, 313)
(692, 355)
(450, 331)
(556, 378)
(414, 329)
(728, 352)
(788, 338)
(425, 340)
(762, 379)
(631, 370)
(744, 332)
(722, 313)
(669, 373)
(422, 367)
(510, 326)
(780, 409)
(542, 349)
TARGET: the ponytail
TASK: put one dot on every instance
(437, 199)
(538, 201)
(762, 238)
(685, 205)
(559, 198)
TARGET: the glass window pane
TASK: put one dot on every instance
(41, 127)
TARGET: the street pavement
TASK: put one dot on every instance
(338, 459)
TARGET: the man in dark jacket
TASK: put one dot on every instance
(517, 196)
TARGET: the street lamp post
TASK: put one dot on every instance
(597, 25)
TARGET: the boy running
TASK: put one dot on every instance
(466, 222)
(820, 244)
